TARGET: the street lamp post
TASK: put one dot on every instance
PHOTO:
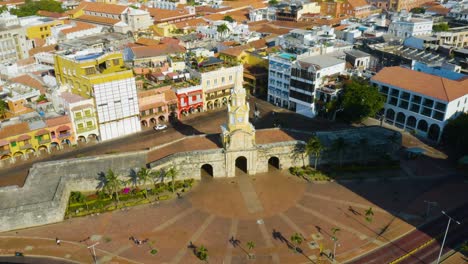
(334, 248)
(445, 236)
(94, 251)
(429, 204)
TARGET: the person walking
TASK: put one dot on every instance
(57, 241)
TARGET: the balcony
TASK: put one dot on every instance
(5, 152)
(64, 135)
(84, 117)
(44, 141)
(26, 146)
(85, 129)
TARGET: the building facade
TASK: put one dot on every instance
(103, 77)
(157, 106)
(13, 43)
(404, 26)
(419, 102)
(279, 76)
(189, 99)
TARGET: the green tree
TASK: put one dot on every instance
(250, 245)
(202, 253)
(273, 2)
(30, 7)
(335, 230)
(172, 173)
(144, 175)
(339, 146)
(441, 27)
(112, 185)
(418, 10)
(3, 108)
(455, 134)
(228, 19)
(360, 100)
(369, 214)
(222, 29)
(314, 146)
(297, 238)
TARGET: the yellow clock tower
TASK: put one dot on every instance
(239, 133)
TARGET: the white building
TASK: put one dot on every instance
(117, 108)
(236, 31)
(420, 102)
(404, 26)
(13, 43)
(307, 75)
(279, 76)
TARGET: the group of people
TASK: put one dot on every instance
(138, 241)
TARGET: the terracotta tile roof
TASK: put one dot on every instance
(214, 17)
(341, 27)
(291, 24)
(161, 15)
(140, 71)
(30, 81)
(12, 2)
(245, 4)
(236, 51)
(146, 42)
(430, 85)
(98, 20)
(51, 14)
(105, 8)
(357, 3)
(170, 96)
(71, 97)
(438, 9)
(191, 23)
(270, 29)
(153, 51)
(79, 27)
(25, 62)
(56, 121)
(14, 130)
(49, 48)
(39, 42)
(210, 10)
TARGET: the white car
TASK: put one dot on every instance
(160, 127)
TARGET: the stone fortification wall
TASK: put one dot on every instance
(44, 196)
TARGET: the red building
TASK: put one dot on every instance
(189, 99)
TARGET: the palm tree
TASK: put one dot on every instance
(3, 108)
(297, 238)
(172, 173)
(250, 245)
(112, 185)
(144, 176)
(223, 28)
(339, 145)
(334, 231)
(369, 214)
(314, 146)
(202, 253)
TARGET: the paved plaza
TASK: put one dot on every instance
(247, 208)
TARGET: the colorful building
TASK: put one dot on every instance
(83, 116)
(61, 132)
(157, 106)
(102, 76)
(189, 99)
(38, 27)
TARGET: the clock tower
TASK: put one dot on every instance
(239, 133)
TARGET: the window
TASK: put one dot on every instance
(39, 138)
(440, 106)
(77, 114)
(115, 61)
(416, 99)
(89, 123)
(230, 77)
(223, 80)
(87, 112)
(80, 125)
(208, 83)
(90, 70)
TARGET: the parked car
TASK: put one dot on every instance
(160, 127)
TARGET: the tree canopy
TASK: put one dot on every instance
(455, 133)
(418, 10)
(30, 7)
(273, 2)
(441, 27)
(360, 100)
(228, 19)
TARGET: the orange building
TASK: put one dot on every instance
(61, 131)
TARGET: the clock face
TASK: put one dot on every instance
(240, 119)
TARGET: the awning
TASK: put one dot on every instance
(4, 142)
(63, 128)
(24, 137)
(42, 132)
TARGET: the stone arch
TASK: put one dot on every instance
(390, 115)
(162, 118)
(400, 118)
(191, 110)
(153, 121)
(422, 126)
(5, 157)
(411, 122)
(206, 170)
(434, 132)
(43, 148)
(54, 145)
(241, 163)
(82, 139)
(93, 137)
(144, 123)
(18, 153)
(65, 142)
(199, 108)
(274, 162)
(209, 105)
(216, 103)
(30, 150)
(225, 101)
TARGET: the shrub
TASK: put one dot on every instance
(154, 251)
(164, 197)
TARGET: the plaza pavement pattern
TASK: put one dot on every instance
(247, 208)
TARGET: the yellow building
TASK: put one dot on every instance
(39, 27)
(17, 140)
(166, 29)
(82, 72)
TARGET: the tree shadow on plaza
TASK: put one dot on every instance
(277, 235)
